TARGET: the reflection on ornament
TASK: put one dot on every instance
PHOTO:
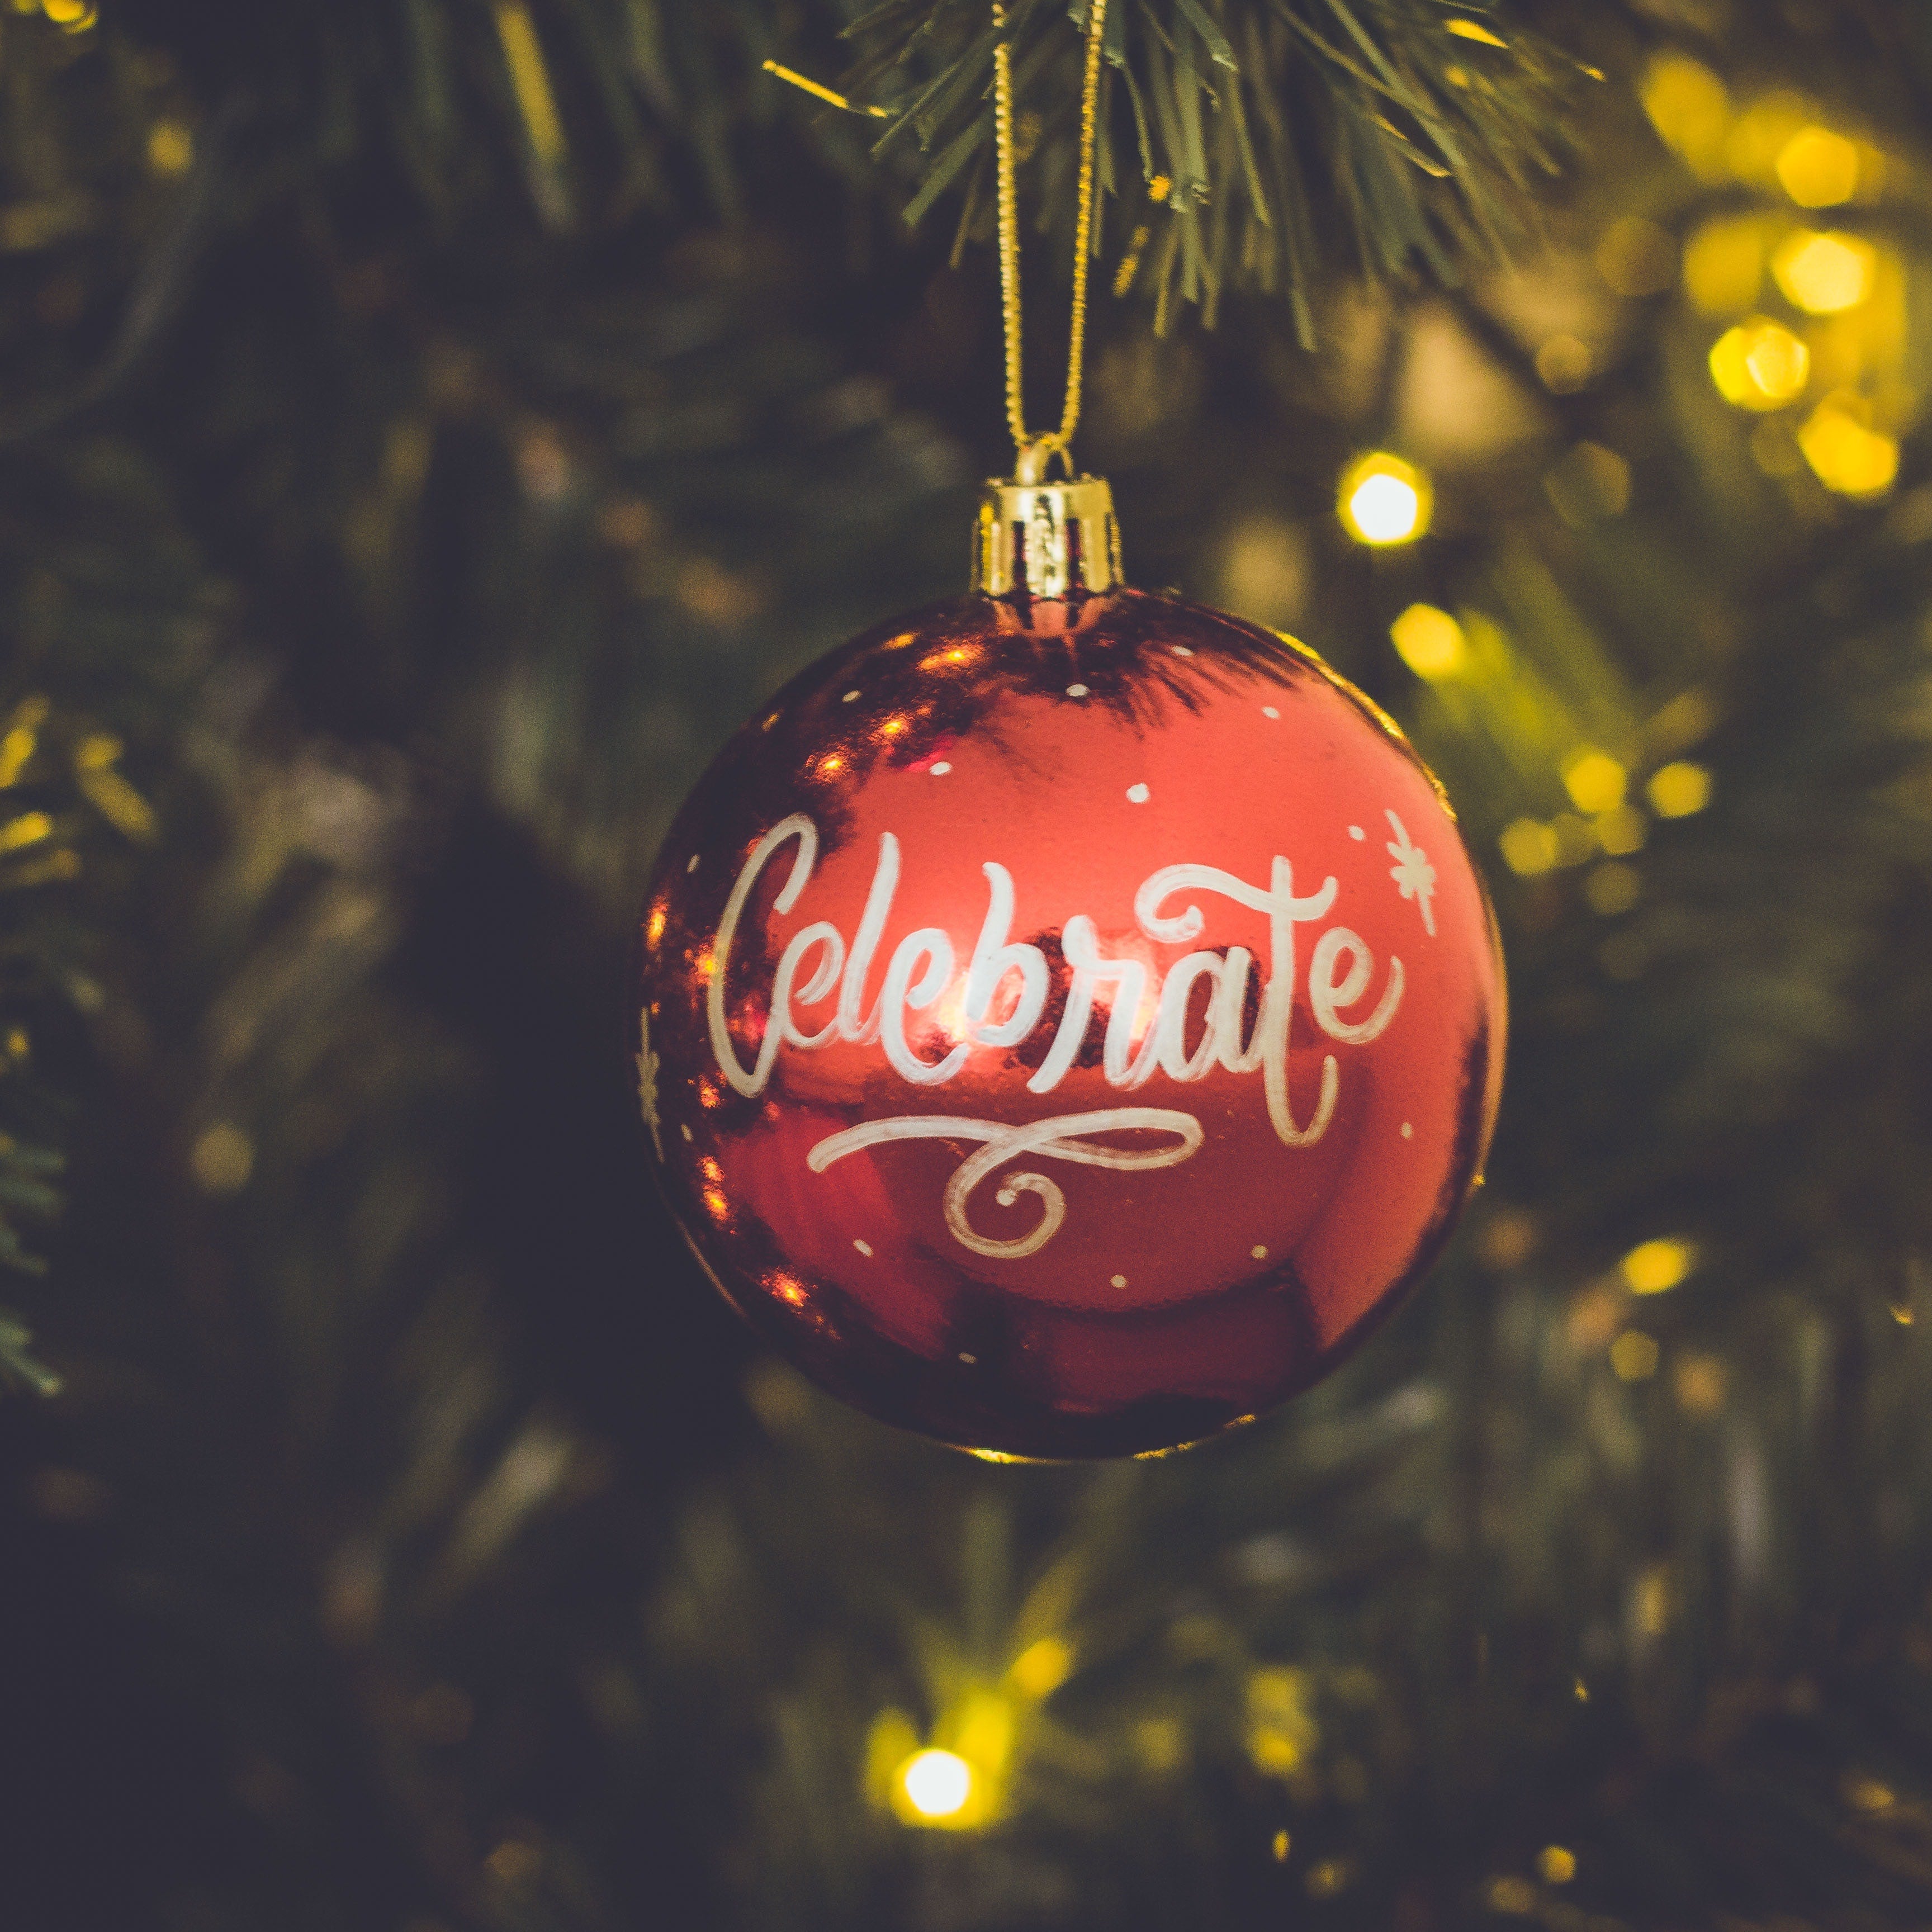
(647, 1074)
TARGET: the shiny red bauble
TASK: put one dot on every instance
(1067, 1027)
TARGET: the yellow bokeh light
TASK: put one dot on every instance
(170, 147)
(936, 1784)
(1845, 455)
(222, 1159)
(1678, 789)
(29, 829)
(1866, 1794)
(1430, 641)
(1281, 1730)
(1818, 168)
(1594, 781)
(1563, 364)
(1556, 1864)
(1042, 1667)
(1472, 30)
(1634, 1356)
(1760, 365)
(1652, 1267)
(1651, 1601)
(1328, 1877)
(1384, 500)
(1689, 108)
(1723, 265)
(1702, 1384)
(1758, 134)
(1825, 274)
(1528, 847)
(1510, 1895)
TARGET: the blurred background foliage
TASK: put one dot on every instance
(429, 429)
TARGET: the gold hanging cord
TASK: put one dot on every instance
(1035, 451)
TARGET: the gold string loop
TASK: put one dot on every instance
(1035, 452)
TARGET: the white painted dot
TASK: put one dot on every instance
(849, 697)
(1120, 1281)
(1180, 650)
(693, 866)
(1138, 794)
(1269, 711)
(1407, 1131)
(1076, 691)
(684, 1130)
(971, 1361)
(939, 770)
(865, 1248)
(1259, 1253)
(1356, 832)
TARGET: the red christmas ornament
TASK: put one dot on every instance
(1069, 1023)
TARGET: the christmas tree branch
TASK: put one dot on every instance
(1425, 127)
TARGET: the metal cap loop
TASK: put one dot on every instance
(1046, 539)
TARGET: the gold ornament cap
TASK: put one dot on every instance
(1047, 539)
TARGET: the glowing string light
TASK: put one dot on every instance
(1383, 500)
(936, 1784)
(1652, 1267)
(1760, 365)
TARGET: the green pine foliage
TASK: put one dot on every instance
(1419, 132)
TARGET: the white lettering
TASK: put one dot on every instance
(1078, 942)
(993, 958)
(1227, 976)
(816, 960)
(797, 827)
(871, 923)
(1057, 1139)
(1286, 911)
(824, 976)
(929, 943)
(1326, 994)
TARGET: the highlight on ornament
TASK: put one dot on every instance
(1383, 500)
